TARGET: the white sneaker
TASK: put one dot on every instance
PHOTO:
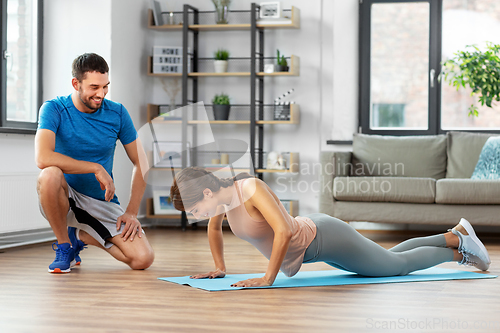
(473, 250)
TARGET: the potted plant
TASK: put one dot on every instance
(220, 62)
(477, 69)
(282, 64)
(221, 107)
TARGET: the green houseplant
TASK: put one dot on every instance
(480, 70)
(282, 64)
(220, 62)
(221, 106)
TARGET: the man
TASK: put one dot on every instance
(74, 146)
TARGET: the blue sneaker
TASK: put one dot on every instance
(65, 255)
(77, 244)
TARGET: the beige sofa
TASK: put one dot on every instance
(409, 179)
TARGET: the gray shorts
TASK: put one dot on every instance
(95, 217)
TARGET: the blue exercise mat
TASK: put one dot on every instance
(327, 278)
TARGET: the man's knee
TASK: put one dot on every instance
(48, 177)
(143, 260)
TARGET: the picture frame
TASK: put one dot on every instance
(270, 10)
(162, 150)
(162, 203)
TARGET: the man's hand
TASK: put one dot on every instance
(211, 275)
(257, 282)
(106, 182)
(132, 226)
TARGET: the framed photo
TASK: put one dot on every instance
(163, 203)
(163, 150)
(270, 10)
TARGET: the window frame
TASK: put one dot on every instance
(9, 126)
(434, 96)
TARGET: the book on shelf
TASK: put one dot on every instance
(155, 7)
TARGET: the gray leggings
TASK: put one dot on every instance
(340, 245)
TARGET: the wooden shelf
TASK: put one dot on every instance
(294, 71)
(294, 24)
(293, 167)
(220, 122)
(219, 27)
(153, 111)
(219, 74)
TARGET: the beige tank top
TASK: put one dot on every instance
(261, 235)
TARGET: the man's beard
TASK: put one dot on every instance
(87, 104)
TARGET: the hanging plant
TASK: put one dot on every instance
(479, 70)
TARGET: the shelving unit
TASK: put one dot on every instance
(255, 120)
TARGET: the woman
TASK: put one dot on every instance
(256, 215)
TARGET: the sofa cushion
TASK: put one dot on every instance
(488, 165)
(463, 151)
(468, 191)
(385, 189)
(401, 156)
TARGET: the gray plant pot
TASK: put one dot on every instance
(280, 68)
(221, 111)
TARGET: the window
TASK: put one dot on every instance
(20, 70)
(466, 23)
(402, 45)
(388, 115)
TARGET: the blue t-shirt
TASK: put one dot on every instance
(87, 137)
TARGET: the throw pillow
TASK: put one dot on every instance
(488, 165)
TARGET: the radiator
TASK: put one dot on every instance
(21, 222)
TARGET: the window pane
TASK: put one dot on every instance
(22, 60)
(399, 66)
(467, 23)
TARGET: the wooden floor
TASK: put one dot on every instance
(103, 295)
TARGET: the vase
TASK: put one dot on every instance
(222, 13)
(221, 111)
(220, 66)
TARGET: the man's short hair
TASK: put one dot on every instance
(89, 62)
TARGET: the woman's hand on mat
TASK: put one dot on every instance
(106, 182)
(132, 226)
(210, 275)
(257, 282)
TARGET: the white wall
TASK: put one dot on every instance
(72, 28)
(130, 45)
(344, 17)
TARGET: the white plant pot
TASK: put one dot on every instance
(220, 66)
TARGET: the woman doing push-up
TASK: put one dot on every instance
(255, 214)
